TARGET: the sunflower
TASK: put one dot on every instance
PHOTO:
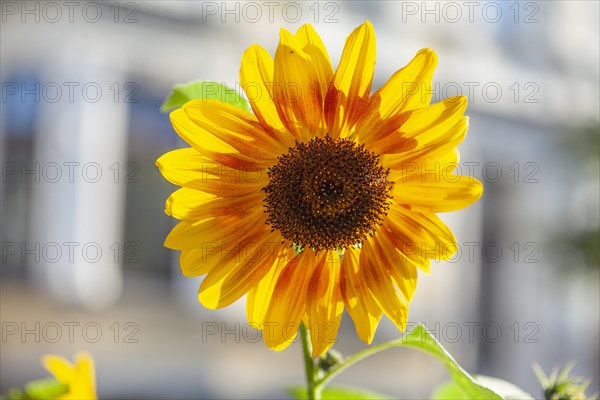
(324, 197)
(80, 378)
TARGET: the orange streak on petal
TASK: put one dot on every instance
(324, 304)
(381, 286)
(288, 303)
(359, 302)
(223, 286)
(297, 91)
(258, 298)
(348, 95)
(256, 78)
(408, 89)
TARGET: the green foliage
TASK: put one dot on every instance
(339, 393)
(329, 360)
(561, 386)
(462, 386)
(39, 389)
(202, 90)
(508, 391)
(421, 339)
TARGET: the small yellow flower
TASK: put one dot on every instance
(80, 378)
(323, 198)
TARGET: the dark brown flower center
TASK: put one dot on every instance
(327, 194)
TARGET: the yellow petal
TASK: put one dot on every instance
(195, 205)
(419, 236)
(233, 126)
(440, 116)
(360, 304)
(381, 286)
(187, 202)
(297, 91)
(434, 143)
(425, 232)
(62, 369)
(188, 168)
(256, 78)
(225, 284)
(210, 254)
(84, 386)
(218, 230)
(226, 254)
(447, 160)
(288, 303)
(212, 147)
(420, 131)
(428, 193)
(80, 377)
(391, 142)
(408, 89)
(324, 305)
(258, 298)
(195, 136)
(310, 42)
(402, 271)
(348, 95)
(196, 262)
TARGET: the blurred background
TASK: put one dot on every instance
(83, 266)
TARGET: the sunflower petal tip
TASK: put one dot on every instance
(83, 356)
(428, 52)
(207, 301)
(161, 161)
(320, 350)
(47, 360)
(254, 47)
(461, 100)
(430, 55)
(365, 27)
(170, 242)
(285, 36)
(368, 339)
(175, 115)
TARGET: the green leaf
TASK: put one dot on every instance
(16, 394)
(45, 389)
(339, 393)
(449, 390)
(420, 339)
(202, 90)
(508, 391)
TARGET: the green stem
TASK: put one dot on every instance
(353, 359)
(312, 390)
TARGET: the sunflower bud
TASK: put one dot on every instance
(559, 386)
(329, 360)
